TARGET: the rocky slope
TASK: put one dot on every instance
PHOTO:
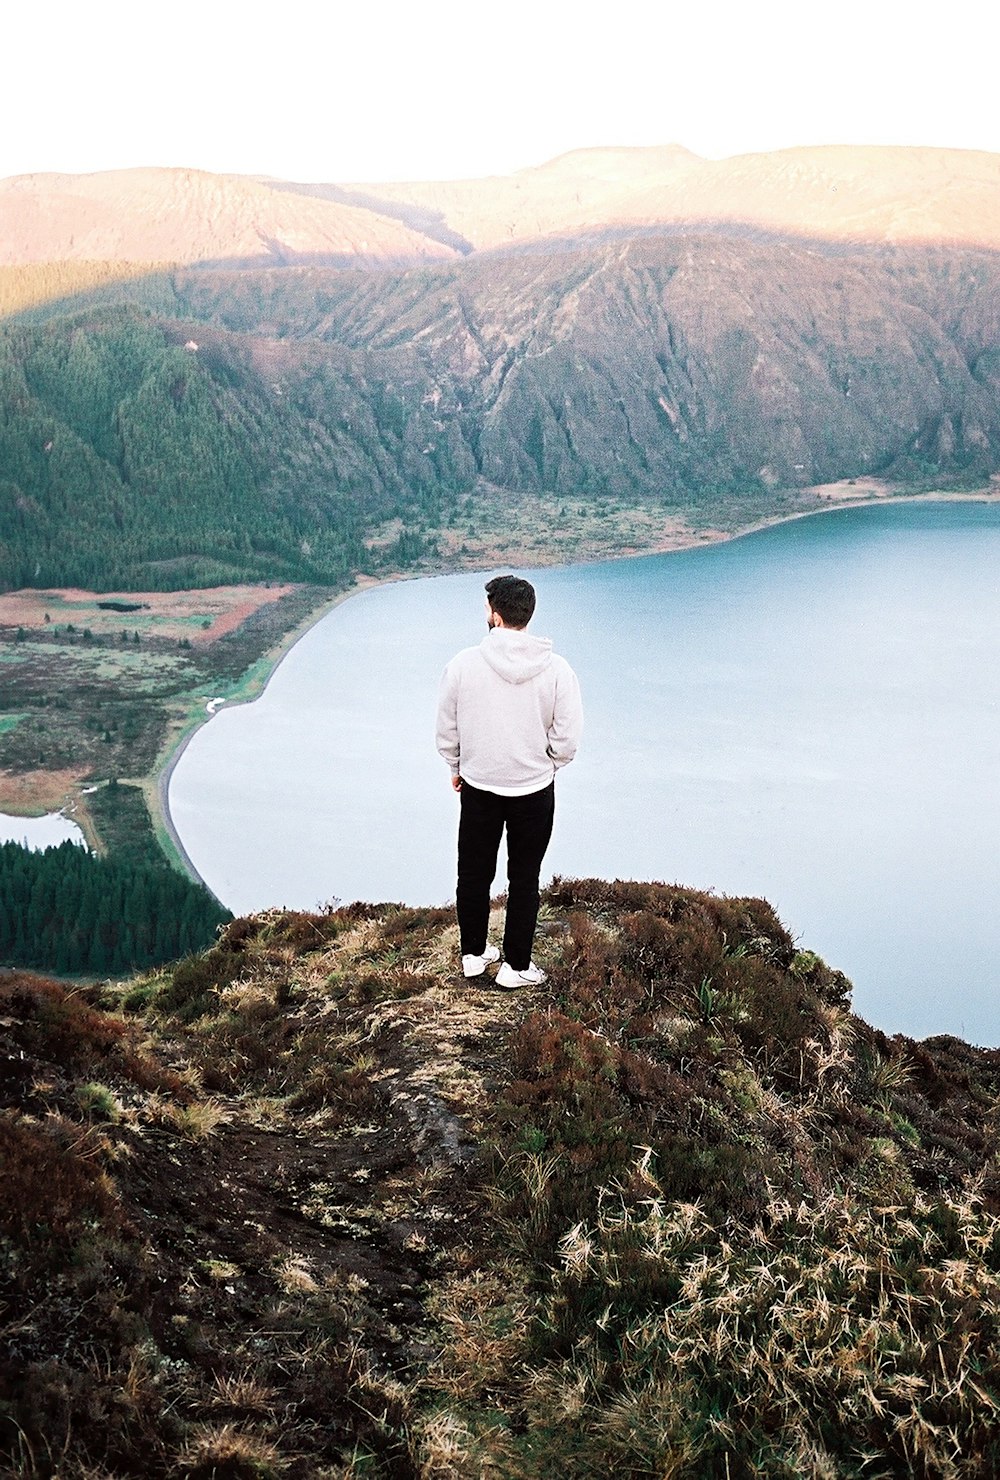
(262, 423)
(312, 1205)
(672, 362)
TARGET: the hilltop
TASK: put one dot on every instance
(206, 379)
(851, 194)
(312, 1205)
(178, 215)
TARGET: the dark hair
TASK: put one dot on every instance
(512, 599)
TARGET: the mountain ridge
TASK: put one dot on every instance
(182, 215)
(839, 193)
(267, 408)
(836, 193)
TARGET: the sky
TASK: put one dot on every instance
(397, 90)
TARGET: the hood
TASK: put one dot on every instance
(516, 656)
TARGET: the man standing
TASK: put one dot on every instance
(509, 716)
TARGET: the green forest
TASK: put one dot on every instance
(204, 426)
(129, 461)
(66, 910)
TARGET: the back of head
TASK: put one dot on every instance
(512, 599)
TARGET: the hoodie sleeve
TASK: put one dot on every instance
(447, 719)
(567, 718)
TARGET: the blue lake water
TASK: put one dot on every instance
(810, 713)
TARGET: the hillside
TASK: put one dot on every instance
(209, 379)
(311, 1205)
(127, 460)
(205, 426)
(876, 195)
(174, 215)
(873, 195)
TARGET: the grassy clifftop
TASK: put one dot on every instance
(310, 1204)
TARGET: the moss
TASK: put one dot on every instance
(98, 1101)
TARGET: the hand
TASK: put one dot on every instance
(456, 783)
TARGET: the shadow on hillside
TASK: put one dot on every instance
(419, 218)
(33, 292)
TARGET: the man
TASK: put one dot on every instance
(509, 716)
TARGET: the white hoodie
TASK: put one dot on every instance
(509, 713)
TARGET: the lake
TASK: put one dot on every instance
(810, 713)
(40, 832)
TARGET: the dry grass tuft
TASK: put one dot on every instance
(678, 1213)
(225, 1450)
(243, 1393)
(195, 1121)
(295, 1277)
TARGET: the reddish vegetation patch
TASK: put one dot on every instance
(170, 614)
(30, 793)
(312, 1203)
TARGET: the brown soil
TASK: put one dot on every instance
(293, 1233)
(874, 490)
(32, 793)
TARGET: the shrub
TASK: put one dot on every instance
(192, 989)
(98, 1101)
(51, 1184)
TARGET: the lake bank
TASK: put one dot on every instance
(675, 537)
(624, 532)
(811, 718)
(38, 833)
(90, 680)
(101, 686)
(36, 794)
(184, 727)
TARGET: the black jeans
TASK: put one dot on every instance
(528, 820)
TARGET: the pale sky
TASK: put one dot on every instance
(398, 89)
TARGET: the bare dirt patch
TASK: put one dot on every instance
(874, 490)
(32, 793)
(201, 616)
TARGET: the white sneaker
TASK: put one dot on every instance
(531, 976)
(476, 965)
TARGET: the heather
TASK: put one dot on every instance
(310, 1204)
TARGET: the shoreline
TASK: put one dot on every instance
(252, 685)
(156, 786)
(872, 501)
